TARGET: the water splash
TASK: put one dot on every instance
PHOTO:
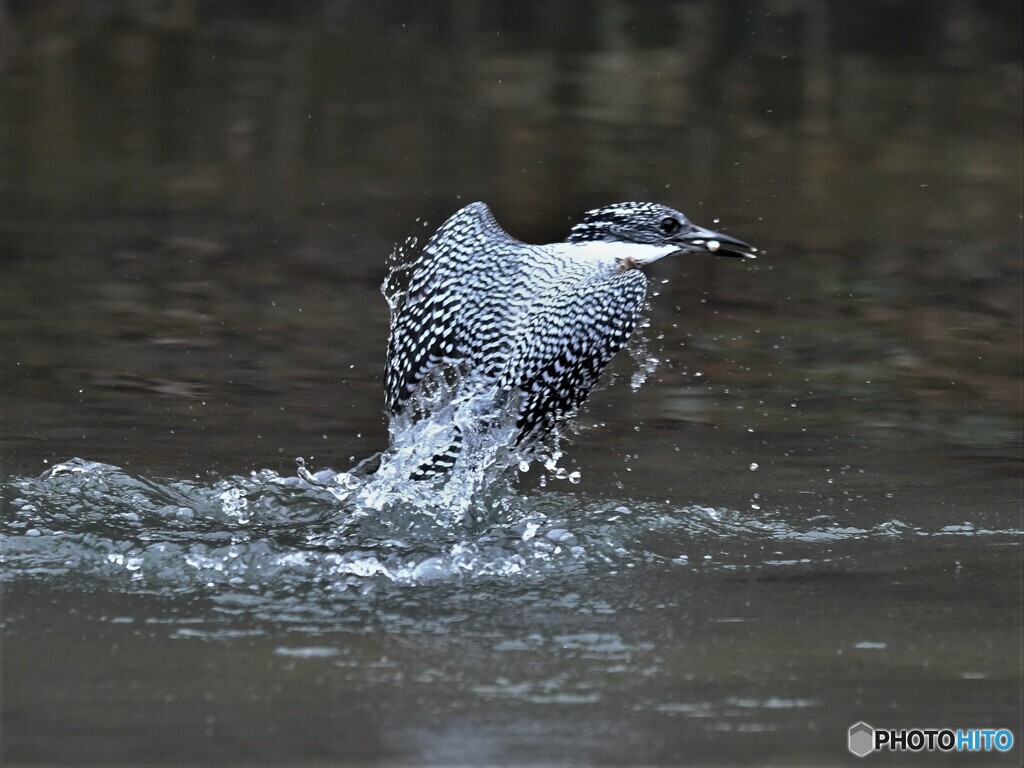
(265, 536)
(443, 411)
(646, 363)
(401, 262)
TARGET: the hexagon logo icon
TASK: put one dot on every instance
(861, 739)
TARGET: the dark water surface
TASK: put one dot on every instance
(807, 514)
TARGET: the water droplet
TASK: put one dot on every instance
(753, 466)
(531, 531)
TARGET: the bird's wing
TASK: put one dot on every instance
(571, 336)
(454, 308)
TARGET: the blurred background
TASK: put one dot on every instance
(808, 515)
(198, 199)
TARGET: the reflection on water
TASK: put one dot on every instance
(809, 515)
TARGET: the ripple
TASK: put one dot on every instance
(251, 542)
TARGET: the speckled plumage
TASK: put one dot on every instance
(542, 321)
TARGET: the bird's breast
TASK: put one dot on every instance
(615, 256)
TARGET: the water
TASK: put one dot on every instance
(797, 505)
(250, 603)
(265, 535)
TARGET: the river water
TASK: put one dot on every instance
(794, 504)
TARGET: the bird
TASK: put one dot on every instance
(538, 323)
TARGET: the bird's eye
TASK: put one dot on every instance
(670, 225)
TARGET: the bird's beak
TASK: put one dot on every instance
(700, 240)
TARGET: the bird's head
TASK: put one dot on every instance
(661, 229)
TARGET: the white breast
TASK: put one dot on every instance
(614, 255)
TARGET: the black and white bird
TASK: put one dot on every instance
(538, 322)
